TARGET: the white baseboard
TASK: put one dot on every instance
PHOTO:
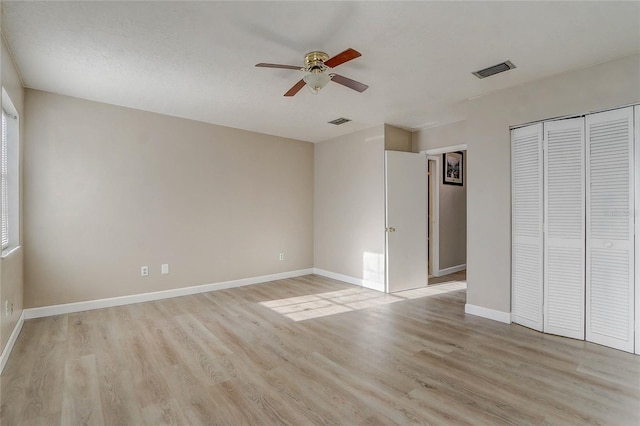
(339, 277)
(451, 270)
(67, 308)
(12, 340)
(491, 314)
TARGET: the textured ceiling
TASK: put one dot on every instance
(196, 59)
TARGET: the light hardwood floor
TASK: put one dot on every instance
(240, 357)
(456, 276)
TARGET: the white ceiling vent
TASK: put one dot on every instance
(494, 69)
(339, 121)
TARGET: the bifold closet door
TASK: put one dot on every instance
(636, 145)
(610, 229)
(564, 222)
(526, 226)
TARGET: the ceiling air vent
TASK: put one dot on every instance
(495, 69)
(339, 121)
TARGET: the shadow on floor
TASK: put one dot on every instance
(456, 276)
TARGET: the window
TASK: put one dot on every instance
(9, 170)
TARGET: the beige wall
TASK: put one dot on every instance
(440, 137)
(487, 137)
(11, 279)
(453, 221)
(396, 139)
(110, 189)
(349, 205)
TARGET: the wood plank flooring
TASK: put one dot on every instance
(239, 356)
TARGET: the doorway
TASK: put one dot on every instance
(446, 216)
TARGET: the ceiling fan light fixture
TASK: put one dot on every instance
(318, 66)
(316, 81)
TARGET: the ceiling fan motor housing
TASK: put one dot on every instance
(314, 61)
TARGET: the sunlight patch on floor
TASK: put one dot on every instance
(336, 302)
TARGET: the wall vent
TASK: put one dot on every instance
(495, 69)
(339, 121)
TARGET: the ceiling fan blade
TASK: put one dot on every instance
(296, 88)
(343, 57)
(289, 67)
(351, 84)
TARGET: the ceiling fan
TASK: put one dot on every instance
(316, 64)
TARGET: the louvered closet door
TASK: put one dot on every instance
(610, 226)
(636, 146)
(564, 251)
(526, 239)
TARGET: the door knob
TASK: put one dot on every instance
(608, 244)
(390, 229)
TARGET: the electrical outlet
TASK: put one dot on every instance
(281, 256)
(144, 271)
(164, 268)
(11, 308)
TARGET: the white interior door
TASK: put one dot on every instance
(564, 221)
(406, 227)
(526, 226)
(610, 229)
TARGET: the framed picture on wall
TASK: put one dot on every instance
(452, 163)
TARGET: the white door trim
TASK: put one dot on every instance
(452, 148)
(435, 154)
(435, 243)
